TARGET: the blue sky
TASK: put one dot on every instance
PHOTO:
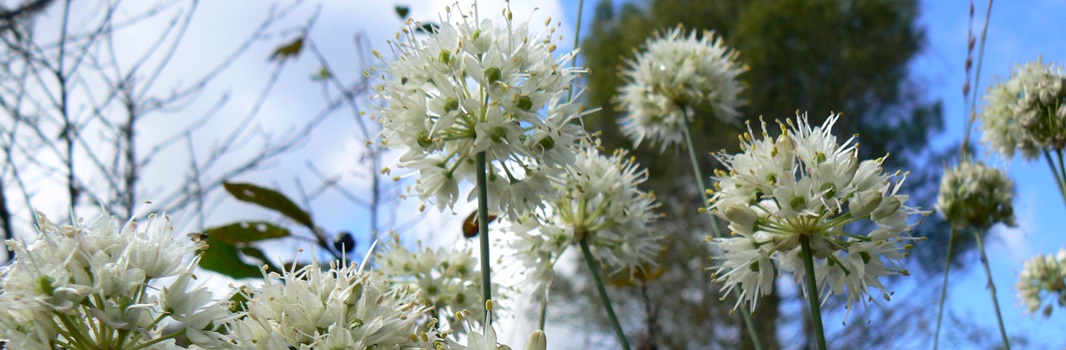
(1019, 32)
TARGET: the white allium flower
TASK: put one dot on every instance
(1027, 112)
(677, 75)
(312, 308)
(471, 87)
(805, 184)
(1043, 277)
(975, 195)
(447, 279)
(597, 199)
(92, 285)
(486, 339)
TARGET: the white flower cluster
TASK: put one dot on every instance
(1027, 112)
(975, 195)
(338, 308)
(677, 73)
(93, 286)
(805, 184)
(471, 87)
(598, 200)
(447, 279)
(486, 339)
(1042, 277)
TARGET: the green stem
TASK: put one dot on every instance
(687, 130)
(577, 43)
(160, 340)
(812, 291)
(544, 303)
(603, 293)
(1062, 172)
(976, 80)
(543, 314)
(74, 336)
(944, 288)
(1058, 176)
(483, 229)
(749, 324)
(992, 289)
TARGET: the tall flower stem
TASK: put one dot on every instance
(543, 314)
(992, 289)
(483, 228)
(812, 291)
(699, 174)
(749, 324)
(944, 288)
(1056, 173)
(603, 293)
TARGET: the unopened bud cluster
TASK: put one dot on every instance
(1027, 112)
(975, 195)
(1043, 278)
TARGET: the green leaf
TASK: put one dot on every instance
(269, 199)
(289, 50)
(258, 254)
(247, 231)
(225, 259)
(402, 11)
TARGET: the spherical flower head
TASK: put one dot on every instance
(804, 183)
(99, 280)
(314, 307)
(1043, 278)
(599, 201)
(480, 86)
(1027, 112)
(975, 195)
(675, 75)
(447, 279)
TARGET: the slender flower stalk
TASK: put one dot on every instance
(1060, 181)
(675, 75)
(486, 102)
(598, 206)
(749, 324)
(812, 290)
(974, 197)
(944, 288)
(606, 299)
(483, 231)
(992, 290)
(691, 145)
